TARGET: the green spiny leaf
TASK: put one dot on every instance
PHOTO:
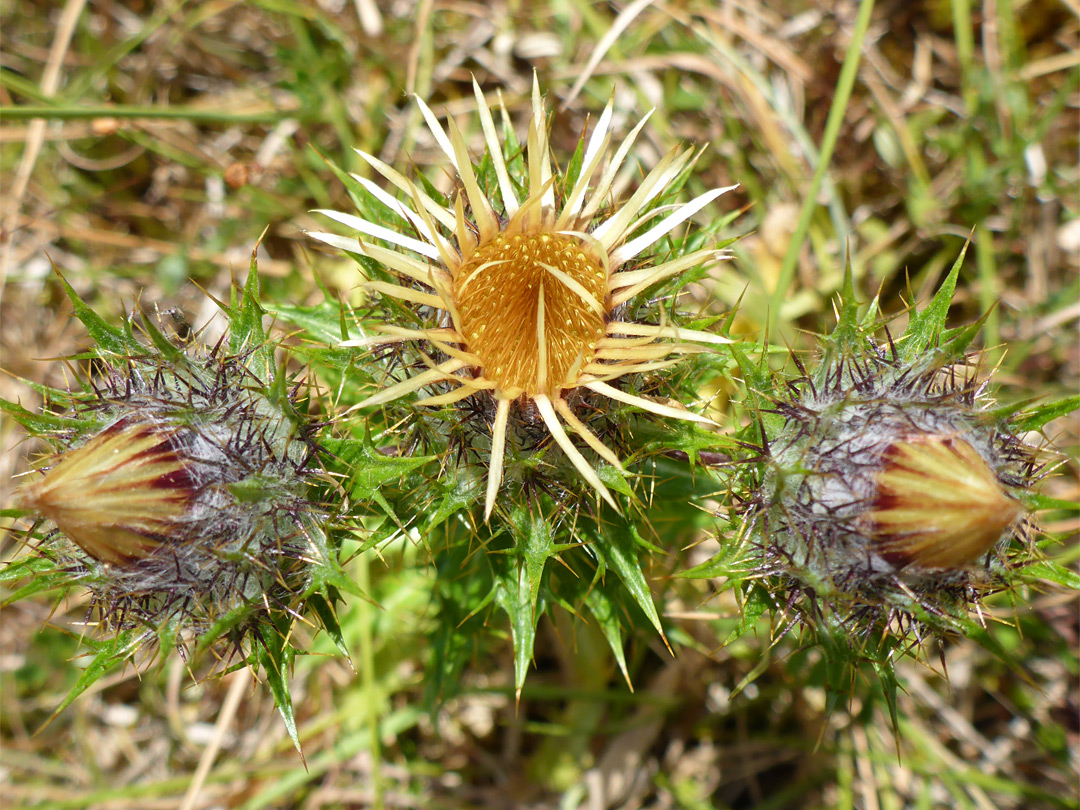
(276, 658)
(460, 488)
(324, 609)
(43, 575)
(431, 191)
(846, 334)
(614, 546)
(1050, 571)
(954, 342)
(925, 327)
(246, 332)
(370, 468)
(603, 609)
(39, 423)
(109, 654)
(327, 574)
(322, 322)
(166, 347)
(534, 543)
(222, 626)
(573, 169)
(110, 338)
(886, 672)
(756, 602)
(1037, 417)
(758, 381)
(25, 567)
(512, 595)
(41, 583)
(1036, 501)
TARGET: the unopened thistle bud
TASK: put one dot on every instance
(887, 476)
(889, 490)
(184, 479)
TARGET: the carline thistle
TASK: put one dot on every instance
(529, 288)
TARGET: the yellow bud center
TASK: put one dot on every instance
(532, 308)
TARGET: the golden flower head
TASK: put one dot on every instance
(530, 286)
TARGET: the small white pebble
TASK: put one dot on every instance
(120, 715)
(1036, 163)
(203, 733)
(1068, 236)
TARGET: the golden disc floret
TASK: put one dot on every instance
(531, 308)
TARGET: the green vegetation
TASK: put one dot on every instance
(560, 654)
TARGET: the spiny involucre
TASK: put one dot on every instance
(889, 496)
(183, 490)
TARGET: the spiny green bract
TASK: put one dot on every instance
(885, 498)
(184, 492)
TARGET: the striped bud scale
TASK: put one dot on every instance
(938, 505)
(119, 495)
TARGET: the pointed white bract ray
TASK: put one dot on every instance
(438, 132)
(451, 259)
(649, 352)
(379, 232)
(650, 274)
(427, 204)
(478, 202)
(467, 240)
(532, 145)
(589, 163)
(599, 139)
(590, 438)
(395, 206)
(647, 404)
(542, 159)
(349, 243)
(609, 342)
(531, 216)
(441, 372)
(607, 178)
(429, 274)
(547, 413)
(635, 246)
(494, 148)
(390, 333)
(498, 454)
(468, 358)
(661, 272)
(665, 330)
(405, 293)
(464, 391)
(613, 230)
(604, 372)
